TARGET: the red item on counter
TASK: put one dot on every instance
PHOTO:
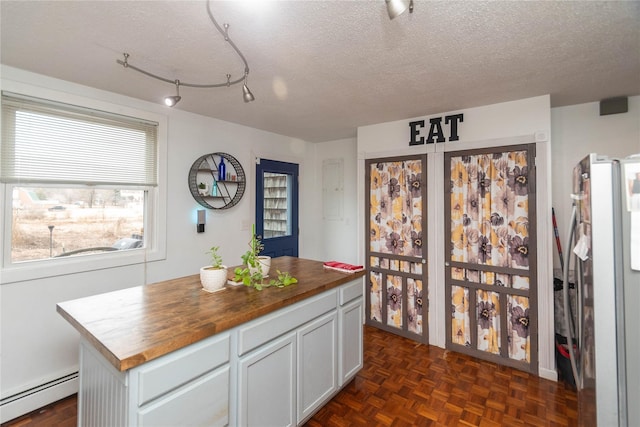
(343, 267)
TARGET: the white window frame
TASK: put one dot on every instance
(155, 204)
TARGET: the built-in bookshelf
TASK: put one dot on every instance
(276, 205)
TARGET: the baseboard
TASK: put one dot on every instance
(548, 374)
(37, 397)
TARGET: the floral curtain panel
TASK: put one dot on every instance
(396, 208)
(396, 245)
(489, 209)
(490, 237)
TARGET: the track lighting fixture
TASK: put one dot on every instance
(397, 7)
(246, 93)
(173, 100)
(170, 101)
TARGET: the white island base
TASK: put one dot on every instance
(276, 370)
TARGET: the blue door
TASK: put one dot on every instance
(277, 207)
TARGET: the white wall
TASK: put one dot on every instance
(516, 122)
(191, 136)
(36, 344)
(578, 130)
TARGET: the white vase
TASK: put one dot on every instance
(264, 264)
(213, 279)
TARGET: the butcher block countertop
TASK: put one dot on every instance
(132, 326)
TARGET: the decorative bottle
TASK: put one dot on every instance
(222, 173)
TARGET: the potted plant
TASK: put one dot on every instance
(256, 267)
(252, 258)
(203, 189)
(213, 277)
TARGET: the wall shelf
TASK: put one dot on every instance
(220, 193)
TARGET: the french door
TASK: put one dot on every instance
(396, 256)
(277, 207)
(490, 253)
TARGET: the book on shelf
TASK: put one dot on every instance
(343, 267)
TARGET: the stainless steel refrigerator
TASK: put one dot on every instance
(604, 244)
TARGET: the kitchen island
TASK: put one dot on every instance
(171, 353)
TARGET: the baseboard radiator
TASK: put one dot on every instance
(34, 398)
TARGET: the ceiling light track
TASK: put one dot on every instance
(173, 100)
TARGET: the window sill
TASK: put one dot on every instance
(43, 269)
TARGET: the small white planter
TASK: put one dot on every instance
(213, 279)
(264, 263)
(204, 191)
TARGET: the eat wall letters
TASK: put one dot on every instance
(435, 129)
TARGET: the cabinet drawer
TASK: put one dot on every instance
(271, 326)
(205, 402)
(350, 291)
(175, 369)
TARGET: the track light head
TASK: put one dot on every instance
(170, 101)
(246, 93)
(397, 7)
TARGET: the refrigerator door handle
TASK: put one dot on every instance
(565, 295)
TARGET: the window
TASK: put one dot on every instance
(78, 182)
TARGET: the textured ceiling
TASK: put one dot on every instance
(320, 69)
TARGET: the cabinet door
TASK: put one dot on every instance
(350, 340)
(201, 402)
(267, 384)
(317, 363)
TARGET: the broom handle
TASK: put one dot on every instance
(555, 232)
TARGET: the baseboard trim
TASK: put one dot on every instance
(29, 400)
(548, 374)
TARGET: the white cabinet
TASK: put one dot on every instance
(317, 363)
(276, 370)
(280, 388)
(203, 402)
(187, 387)
(288, 362)
(350, 340)
(267, 384)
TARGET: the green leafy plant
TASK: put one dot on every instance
(202, 186)
(256, 279)
(216, 259)
(242, 274)
(283, 279)
(250, 258)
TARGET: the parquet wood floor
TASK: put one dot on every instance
(404, 383)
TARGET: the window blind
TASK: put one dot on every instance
(50, 142)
